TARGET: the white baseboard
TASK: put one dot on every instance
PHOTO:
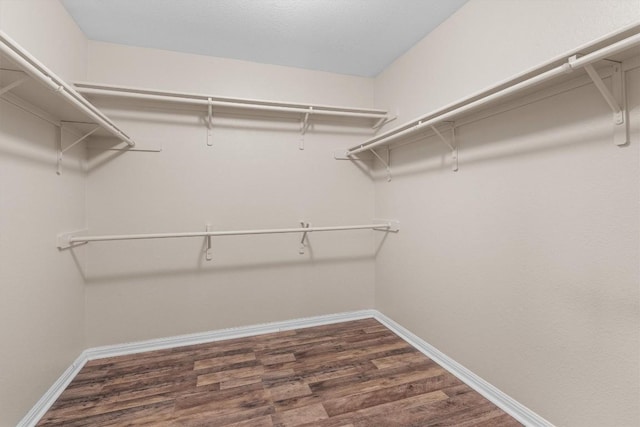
(518, 411)
(500, 399)
(45, 402)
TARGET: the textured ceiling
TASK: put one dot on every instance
(358, 37)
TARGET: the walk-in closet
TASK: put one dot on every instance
(320, 213)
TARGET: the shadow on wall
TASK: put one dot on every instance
(214, 269)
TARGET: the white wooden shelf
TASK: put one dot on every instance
(28, 84)
(238, 107)
(607, 54)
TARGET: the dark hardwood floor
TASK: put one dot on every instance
(348, 374)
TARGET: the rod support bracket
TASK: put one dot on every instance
(383, 121)
(61, 145)
(208, 251)
(451, 144)
(14, 84)
(63, 239)
(615, 99)
(301, 248)
(387, 225)
(304, 127)
(386, 163)
(209, 122)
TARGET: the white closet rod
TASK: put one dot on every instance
(388, 226)
(215, 101)
(40, 73)
(446, 114)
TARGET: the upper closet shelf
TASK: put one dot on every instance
(27, 83)
(609, 51)
(213, 104)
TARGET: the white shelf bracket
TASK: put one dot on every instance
(383, 121)
(62, 239)
(61, 146)
(14, 85)
(615, 98)
(301, 248)
(304, 127)
(386, 163)
(450, 144)
(387, 225)
(208, 251)
(210, 122)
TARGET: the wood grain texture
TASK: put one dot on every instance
(350, 374)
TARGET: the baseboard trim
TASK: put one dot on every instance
(50, 396)
(497, 397)
(512, 407)
(223, 334)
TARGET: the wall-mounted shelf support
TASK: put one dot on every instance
(210, 122)
(63, 242)
(450, 144)
(304, 237)
(382, 122)
(386, 163)
(15, 84)
(208, 252)
(61, 146)
(615, 98)
(304, 127)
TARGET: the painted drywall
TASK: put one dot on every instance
(41, 289)
(523, 265)
(254, 176)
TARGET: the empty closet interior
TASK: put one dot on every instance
(479, 196)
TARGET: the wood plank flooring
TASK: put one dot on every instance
(350, 374)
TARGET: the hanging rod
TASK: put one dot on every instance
(67, 240)
(217, 101)
(497, 92)
(36, 70)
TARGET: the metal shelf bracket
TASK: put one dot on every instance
(210, 122)
(615, 98)
(208, 252)
(63, 239)
(304, 127)
(449, 144)
(387, 163)
(301, 248)
(382, 122)
(14, 84)
(61, 146)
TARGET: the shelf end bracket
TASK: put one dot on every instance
(301, 248)
(615, 98)
(386, 163)
(450, 144)
(208, 251)
(62, 149)
(304, 127)
(209, 123)
(13, 85)
(63, 239)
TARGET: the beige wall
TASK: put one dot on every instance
(253, 177)
(522, 266)
(41, 291)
